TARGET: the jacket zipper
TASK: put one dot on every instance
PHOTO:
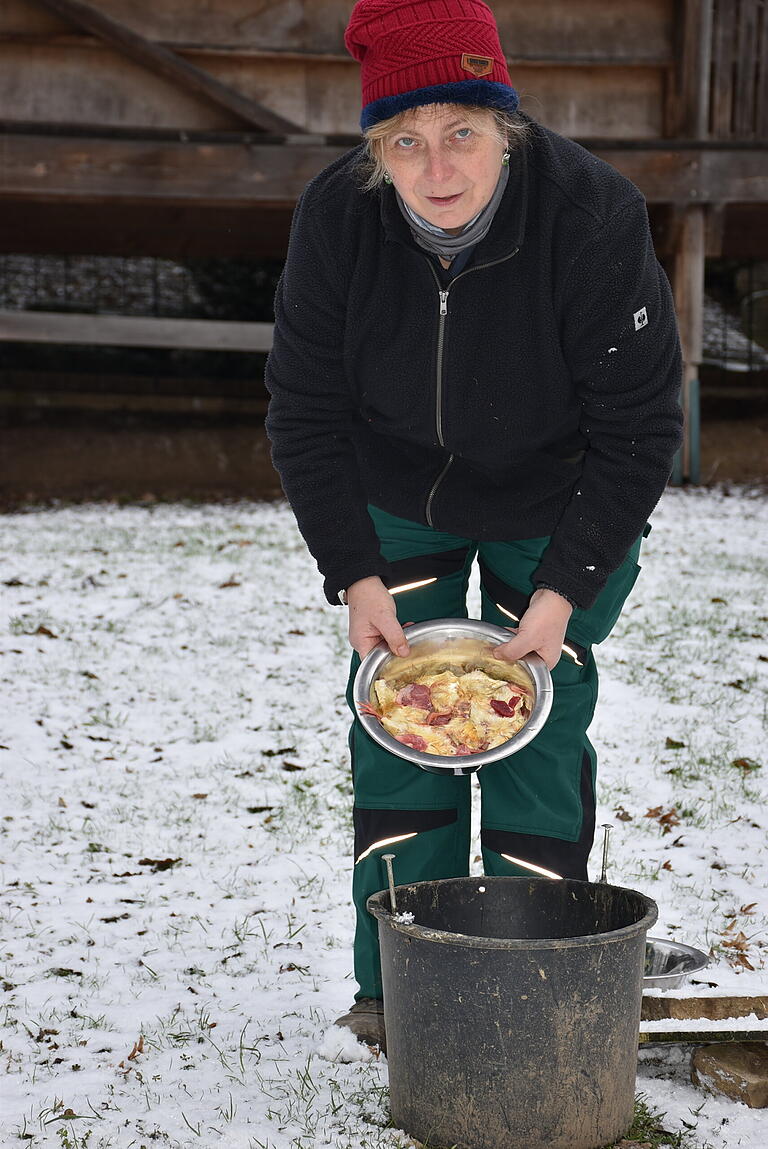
(435, 485)
(442, 314)
(443, 294)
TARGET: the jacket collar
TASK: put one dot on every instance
(506, 233)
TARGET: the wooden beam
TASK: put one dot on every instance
(289, 55)
(667, 174)
(82, 169)
(133, 331)
(168, 64)
(89, 170)
(700, 1036)
(93, 129)
(39, 399)
(184, 48)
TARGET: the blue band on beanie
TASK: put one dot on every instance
(480, 93)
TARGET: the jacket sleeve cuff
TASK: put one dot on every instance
(581, 596)
(342, 579)
(548, 586)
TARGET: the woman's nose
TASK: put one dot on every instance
(438, 166)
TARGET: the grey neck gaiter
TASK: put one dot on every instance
(434, 239)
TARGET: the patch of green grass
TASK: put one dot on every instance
(32, 622)
(647, 1129)
(106, 717)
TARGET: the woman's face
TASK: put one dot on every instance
(445, 170)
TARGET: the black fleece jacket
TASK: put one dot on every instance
(536, 396)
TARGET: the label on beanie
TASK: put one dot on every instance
(477, 65)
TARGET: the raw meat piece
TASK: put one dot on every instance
(415, 741)
(415, 694)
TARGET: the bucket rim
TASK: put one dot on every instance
(378, 907)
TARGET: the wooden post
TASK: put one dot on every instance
(688, 278)
(688, 274)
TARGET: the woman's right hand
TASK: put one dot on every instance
(373, 617)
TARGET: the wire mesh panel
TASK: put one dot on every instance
(98, 285)
(234, 289)
(735, 334)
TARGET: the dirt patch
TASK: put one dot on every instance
(734, 428)
(735, 451)
(80, 458)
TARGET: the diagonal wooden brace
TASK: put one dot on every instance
(166, 63)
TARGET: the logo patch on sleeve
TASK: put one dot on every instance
(641, 318)
(477, 65)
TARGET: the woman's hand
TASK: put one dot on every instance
(372, 616)
(541, 629)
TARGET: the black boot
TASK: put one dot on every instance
(366, 1020)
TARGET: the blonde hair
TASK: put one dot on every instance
(507, 127)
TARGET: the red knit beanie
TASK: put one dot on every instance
(416, 52)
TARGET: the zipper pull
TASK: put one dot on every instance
(443, 302)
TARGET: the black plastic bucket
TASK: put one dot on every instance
(512, 1009)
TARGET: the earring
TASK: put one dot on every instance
(505, 160)
(387, 179)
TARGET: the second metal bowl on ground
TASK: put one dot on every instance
(670, 964)
(464, 644)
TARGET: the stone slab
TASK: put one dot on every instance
(738, 1069)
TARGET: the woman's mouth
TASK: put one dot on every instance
(444, 200)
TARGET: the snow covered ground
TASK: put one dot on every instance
(176, 821)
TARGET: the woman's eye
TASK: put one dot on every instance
(405, 142)
(463, 133)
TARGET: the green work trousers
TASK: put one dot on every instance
(538, 805)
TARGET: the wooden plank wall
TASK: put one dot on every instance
(585, 67)
(739, 92)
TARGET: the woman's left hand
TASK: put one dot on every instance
(541, 629)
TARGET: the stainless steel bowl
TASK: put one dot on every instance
(464, 643)
(670, 964)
